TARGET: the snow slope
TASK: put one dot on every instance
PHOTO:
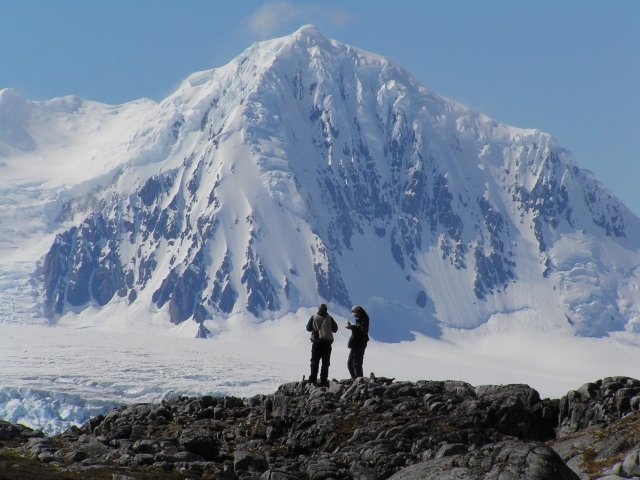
(50, 153)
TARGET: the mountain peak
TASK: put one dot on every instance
(309, 31)
(308, 171)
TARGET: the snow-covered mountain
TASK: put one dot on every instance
(303, 171)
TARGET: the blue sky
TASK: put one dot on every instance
(570, 68)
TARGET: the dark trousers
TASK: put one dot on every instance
(320, 350)
(354, 362)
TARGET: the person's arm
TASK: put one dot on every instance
(334, 325)
(361, 325)
(310, 324)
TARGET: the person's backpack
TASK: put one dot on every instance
(315, 332)
(315, 328)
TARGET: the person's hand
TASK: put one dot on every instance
(348, 324)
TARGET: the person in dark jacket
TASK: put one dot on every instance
(322, 327)
(358, 341)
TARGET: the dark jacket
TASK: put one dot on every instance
(359, 332)
(322, 315)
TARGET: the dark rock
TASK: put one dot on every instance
(364, 429)
(77, 456)
(602, 449)
(599, 403)
(91, 446)
(8, 431)
(182, 302)
(322, 470)
(137, 431)
(421, 299)
(279, 475)
(186, 457)
(261, 294)
(255, 462)
(199, 441)
(143, 459)
(510, 459)
(233, 402)
(145, 446)
(360, 472)
(37, 446)
(451, 449)
(207, 401)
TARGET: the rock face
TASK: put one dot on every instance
(307, 171)
(599, 428)
(599, 403)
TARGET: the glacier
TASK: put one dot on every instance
(53, 377)
(304, 171)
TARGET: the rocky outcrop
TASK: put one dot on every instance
(508, 459)
(368, 429)
(599, 403)
(599, 429)
(17, 433)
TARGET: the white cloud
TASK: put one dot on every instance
(272, 16)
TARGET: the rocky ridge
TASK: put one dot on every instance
(366, 429)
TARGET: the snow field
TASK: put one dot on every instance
(55, 377)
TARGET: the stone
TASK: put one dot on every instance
(137, 431)
(322, 470)
(8, 431)
(360, 472)
(451, 449)
(278, 475)
(630, 463)
(249, 461)
(145, 446)
(199, 441)
(533, 461)
(76, 456)
(187, 457)
(143, 459)
(605, 402)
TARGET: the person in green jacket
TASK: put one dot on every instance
(358, 341)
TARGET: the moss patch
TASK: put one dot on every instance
(13, 466)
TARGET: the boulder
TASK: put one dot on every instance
(597, 403)
(322, 470)
(199, 441)
(510, 459)
(249, 461)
